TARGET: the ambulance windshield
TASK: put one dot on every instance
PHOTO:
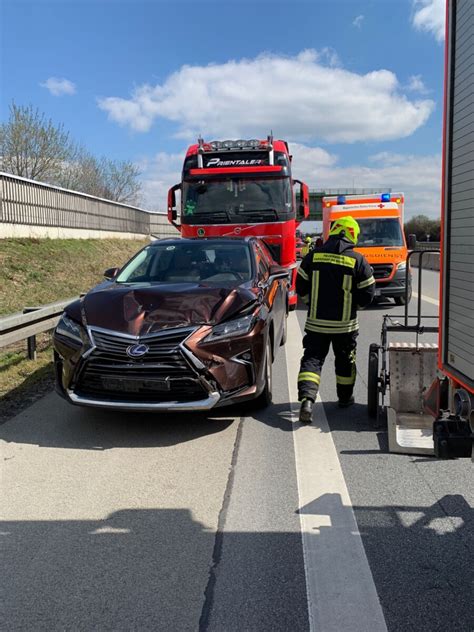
(379, 232)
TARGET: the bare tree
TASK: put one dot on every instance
(32, 146)
(121, 181)
(82, 173)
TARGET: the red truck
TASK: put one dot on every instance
(242, 188)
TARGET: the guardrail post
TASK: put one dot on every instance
(31, 340)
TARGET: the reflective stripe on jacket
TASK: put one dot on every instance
(334, 280)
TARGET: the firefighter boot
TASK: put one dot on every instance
(345, 403)
(306, 410)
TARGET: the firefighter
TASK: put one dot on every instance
(333, 280)
(307, 246)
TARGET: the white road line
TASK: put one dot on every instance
(428, 299)
(340, 588)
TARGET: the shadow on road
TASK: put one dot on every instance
(53, 423)
(143, 569)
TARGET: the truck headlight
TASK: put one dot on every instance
(402, 265)
(68, 328)
(237, 327)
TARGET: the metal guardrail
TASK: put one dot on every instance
(33, 320)
(427, 245)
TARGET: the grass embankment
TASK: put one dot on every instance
(39, 271)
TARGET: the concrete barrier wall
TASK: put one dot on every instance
(431, 261)
(34, 209)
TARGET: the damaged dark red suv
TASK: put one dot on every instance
(186, 324)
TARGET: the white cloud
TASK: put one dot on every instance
(416, 84)
(59, 87)
(430, 16)
(306, 97)
(159, 174)
(419, 177)
(358, 21)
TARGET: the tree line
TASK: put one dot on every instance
(424, 228)
(33, 146)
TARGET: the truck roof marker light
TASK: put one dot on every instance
(385, 197)
(341, 199)
(328, 204)
(398, 200)
(217, 145)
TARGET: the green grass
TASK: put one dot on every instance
(39, 271)
(36, 272)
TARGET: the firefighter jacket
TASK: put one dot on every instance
(334, 280)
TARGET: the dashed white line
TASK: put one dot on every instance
(340, 588)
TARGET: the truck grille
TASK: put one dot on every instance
(162, 374)
(382, 270)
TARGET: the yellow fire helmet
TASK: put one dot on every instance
(308, 240)
(348, 225)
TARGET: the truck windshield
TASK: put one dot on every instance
(237, 199)
(379, 232)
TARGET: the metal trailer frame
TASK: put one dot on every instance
(379, 378)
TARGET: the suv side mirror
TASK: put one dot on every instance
(111, 273)
(277, 272)
(411, 242)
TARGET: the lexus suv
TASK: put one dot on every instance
(186, 324)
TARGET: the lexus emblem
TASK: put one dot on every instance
(137, 351)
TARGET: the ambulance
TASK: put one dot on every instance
(381, 239)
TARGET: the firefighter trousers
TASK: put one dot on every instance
(316, 347)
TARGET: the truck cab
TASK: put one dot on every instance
(242, 188)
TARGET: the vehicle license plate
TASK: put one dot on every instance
(134, 386)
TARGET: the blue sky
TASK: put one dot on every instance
(354, 86)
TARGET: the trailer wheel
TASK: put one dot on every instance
(373, 381)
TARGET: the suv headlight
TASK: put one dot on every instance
(68, 328)
(237, 327)
(402, 265)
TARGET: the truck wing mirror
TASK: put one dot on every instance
(172, 211)
(303, 201)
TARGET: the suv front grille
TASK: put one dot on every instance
(162, 374)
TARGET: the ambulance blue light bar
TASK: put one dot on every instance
(341, 199)
(385, 197)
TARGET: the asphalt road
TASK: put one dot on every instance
(115, 521)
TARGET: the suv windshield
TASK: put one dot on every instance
(201, 262)
(380, 232)
(238, 198)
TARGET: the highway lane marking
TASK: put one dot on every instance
(428, 299)
(340, 588)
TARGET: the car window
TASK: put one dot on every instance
(225, 263)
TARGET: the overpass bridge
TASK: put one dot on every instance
(316, 197)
